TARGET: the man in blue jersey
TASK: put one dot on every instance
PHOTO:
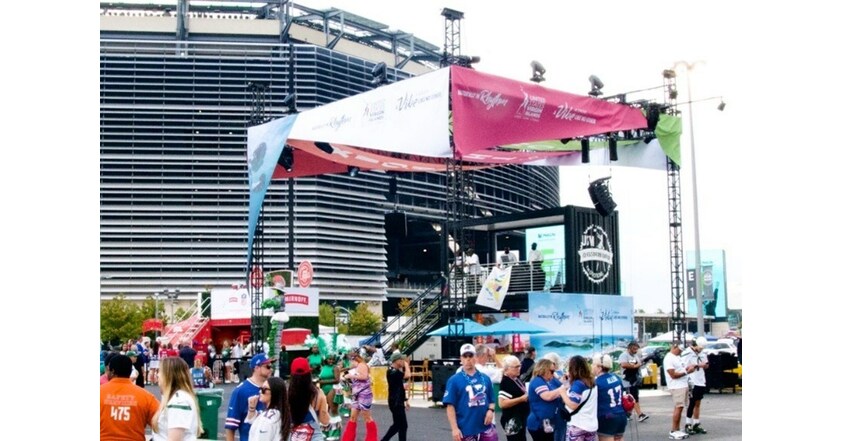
(238, 406)
(470, 409)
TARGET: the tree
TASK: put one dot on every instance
(403, 306)
(363, 321)
(119, 319)
(326, 315)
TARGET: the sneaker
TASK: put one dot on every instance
(688, 429)
(697, 428)
(677, 434)
(643, 417)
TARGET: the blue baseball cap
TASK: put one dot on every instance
(260, 359)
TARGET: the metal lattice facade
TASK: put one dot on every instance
(173, 182)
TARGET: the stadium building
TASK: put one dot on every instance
(175, 103)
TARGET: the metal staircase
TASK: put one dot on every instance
(192, 322)
(427, 308)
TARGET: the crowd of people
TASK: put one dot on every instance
(547, 399)
(580, 400)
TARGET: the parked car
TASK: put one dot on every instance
(655, 354)
(720, 346)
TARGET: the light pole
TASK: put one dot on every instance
(157, 332)
(173, 296)
(697, 270)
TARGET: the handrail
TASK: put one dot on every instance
(414, 304)
(419, 324)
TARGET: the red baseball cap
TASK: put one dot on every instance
(300, 366)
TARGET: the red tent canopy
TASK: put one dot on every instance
(153, 325)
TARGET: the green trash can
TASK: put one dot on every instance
(210, 400)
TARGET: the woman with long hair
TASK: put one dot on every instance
(513, 400)
(543, 420)
(307, 404)
(580, 392)
(362, 398)
(273, 423)
(178, 417)
(153, 362)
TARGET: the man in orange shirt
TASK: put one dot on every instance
(124, 408)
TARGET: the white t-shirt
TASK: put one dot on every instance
(472, 262)
(237, 351)
(180, 412)
(672, 361)
(585, 418)
(265, 426)
(493, 372)
(691, 358)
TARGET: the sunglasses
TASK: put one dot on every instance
(467, 355)
(267, 366)
(264, 390)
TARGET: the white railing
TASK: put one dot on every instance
(547, 275)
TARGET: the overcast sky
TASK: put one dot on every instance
(622, 46)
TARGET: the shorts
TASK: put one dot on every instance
(698, 392)
(635, 392)
(679, 397)
(489, 434)
(576, 434)
(612, 424)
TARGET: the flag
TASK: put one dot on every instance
(495, 288)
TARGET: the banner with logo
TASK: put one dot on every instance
(490, 111)
(264, 145)
(494, 289)
(302, 302)
(582, 324)
(714, 284)
(409, 116)
(231, 303)
(592, 254)
(235, 303)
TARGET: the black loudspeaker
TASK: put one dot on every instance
(441, 373)
(601, 196)
(396, 224)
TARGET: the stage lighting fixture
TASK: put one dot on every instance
(565, 140)
(596, 86)
(668, 73)
(612, 147)
(353, 171)
(586, 150)
(538, 72)
(452, 14)
(653, 114)
(379, 74)
(721, 105)
(325, 147)
(286, 160)
(462, 60)
(601, 196)
(673, 92)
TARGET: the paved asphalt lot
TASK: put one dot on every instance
(722, 415)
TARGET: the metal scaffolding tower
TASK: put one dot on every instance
(674, 210)
(254, 271)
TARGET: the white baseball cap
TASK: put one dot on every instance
(467, 348)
